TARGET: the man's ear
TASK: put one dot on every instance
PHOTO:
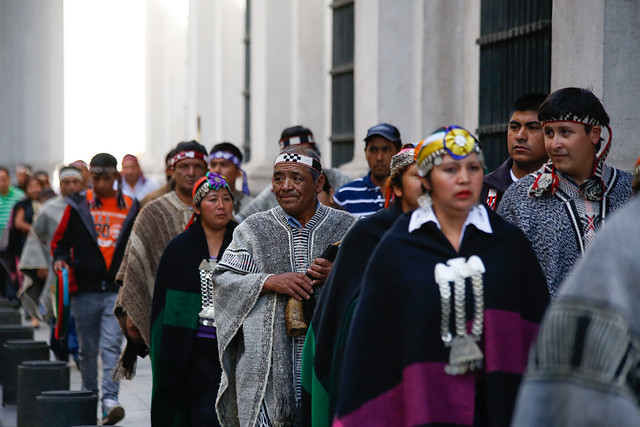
(320, 183)
(595, 133)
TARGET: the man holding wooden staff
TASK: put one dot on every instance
(274, 256)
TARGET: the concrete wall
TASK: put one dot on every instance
(31, 83)
(595, 45)
(416, 66)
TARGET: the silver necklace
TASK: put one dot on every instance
(207, 315)
(465, 355)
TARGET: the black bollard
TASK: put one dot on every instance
(64, 408)
(13, 353)
(9, 316)
(12, 332)
(34, 377)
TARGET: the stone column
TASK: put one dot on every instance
(31, 87)
(594, 45)
(288, 78)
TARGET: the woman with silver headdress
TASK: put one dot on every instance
(184, 347)
(451, 302)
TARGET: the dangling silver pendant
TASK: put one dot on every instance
(464, 356)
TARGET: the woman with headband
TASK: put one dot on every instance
(184, 347)
(325, 343)
(450, 303)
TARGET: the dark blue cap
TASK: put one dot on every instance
(385, 130)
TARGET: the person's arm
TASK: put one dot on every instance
(19, 222)
(61, 243)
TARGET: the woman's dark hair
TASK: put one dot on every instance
(229, 148)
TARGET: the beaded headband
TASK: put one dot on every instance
(399, 161)
(299, 158)
(211, 181)
(547, 182)
(186, 155)
(285, 142)
(454, 140)
(226, 155)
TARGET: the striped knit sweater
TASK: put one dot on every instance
(554, 225)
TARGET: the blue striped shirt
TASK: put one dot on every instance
(360, 198)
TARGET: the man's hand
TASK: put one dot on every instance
(59, 265)
(42, 273)
(296, 285)
(319, 270)
(132, 331)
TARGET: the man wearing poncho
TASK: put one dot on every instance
(562, 205)
(442, 328)
(158, 223)
(264, 265)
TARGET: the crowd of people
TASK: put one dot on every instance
(426, 292)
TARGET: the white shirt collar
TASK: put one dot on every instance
(477, 216)
(513, 176)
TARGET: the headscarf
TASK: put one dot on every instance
(399, 162)
(452, 140)
(210, 181)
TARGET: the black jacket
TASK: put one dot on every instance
(76, 242)
(499, 180)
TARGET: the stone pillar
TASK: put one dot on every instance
(289, 75)
(216, 71)
(31, 87)
(594, 44)
(166, 82)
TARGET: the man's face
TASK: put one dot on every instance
(295, 190)
(186, 172)
(5, 182)
(103, 183)
(131, 171)
(227, 169)
(572, 150)
(525, 140)
(21, 176)
(378, 153)
(70, 185)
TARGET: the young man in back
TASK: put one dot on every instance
(525, 142)
(91, 238)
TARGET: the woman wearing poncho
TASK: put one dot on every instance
(324, 346)
(451, 302)
(184, 348)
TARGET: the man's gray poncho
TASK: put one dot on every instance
(552, 225)
(36, 254)
(255, 351)
(585, 366)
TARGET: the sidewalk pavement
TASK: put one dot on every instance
(135, 395)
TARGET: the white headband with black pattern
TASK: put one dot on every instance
(299, 158)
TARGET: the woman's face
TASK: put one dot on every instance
(33, 189)
(216, 209)
(455, 185)
(411, 188)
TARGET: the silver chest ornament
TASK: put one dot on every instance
(207, 315)
(465, 355)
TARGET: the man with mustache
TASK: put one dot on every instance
(561, 206)
(525, 143)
